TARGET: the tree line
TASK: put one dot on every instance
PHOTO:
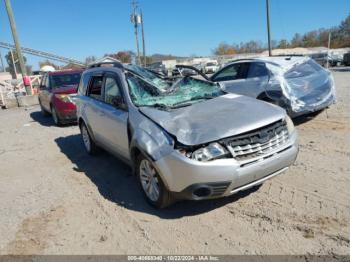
(340, 37)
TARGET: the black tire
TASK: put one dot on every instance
(42, 109)
(164, 198)
(55, 117)
(89, 144)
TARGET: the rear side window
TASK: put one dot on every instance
(257, 70)
(95, 88)
(232, 72)
(112, 90)
(302, 70)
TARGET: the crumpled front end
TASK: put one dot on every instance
(249, 165)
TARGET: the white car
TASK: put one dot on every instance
(298, 84)
(210, 67)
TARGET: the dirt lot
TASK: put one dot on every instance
(55, 199)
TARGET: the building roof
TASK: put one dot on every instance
(105, 59)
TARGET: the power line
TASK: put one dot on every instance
(42, 54)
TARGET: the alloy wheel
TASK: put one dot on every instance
(86, 138)
(149, 180)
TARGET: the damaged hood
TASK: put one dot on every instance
(215, 119)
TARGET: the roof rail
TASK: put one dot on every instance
(114, 64)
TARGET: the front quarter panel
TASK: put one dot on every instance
(148, 137)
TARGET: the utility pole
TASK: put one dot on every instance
(17, 43)
(329, 47)
(143, 42)
(135, 19)
(268, 25)
(2, 63)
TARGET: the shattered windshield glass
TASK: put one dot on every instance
(183, 93)
(151, 77)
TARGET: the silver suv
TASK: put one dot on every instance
(185, 139)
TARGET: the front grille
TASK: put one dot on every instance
(258, 142)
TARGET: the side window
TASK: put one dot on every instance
(112, 91)
(95, 87)
(83, 83)
(229, 73)
(257, 70)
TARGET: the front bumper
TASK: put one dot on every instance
(67, 116)
(190, 179)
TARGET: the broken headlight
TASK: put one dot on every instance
(290, 125)
(210, 152)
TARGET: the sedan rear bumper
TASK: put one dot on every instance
(311, 108)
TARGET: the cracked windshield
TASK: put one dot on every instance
(154, 91)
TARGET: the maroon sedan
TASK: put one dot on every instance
(57, 93)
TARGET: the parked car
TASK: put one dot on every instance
(179, 72)
(158, 68)
(186, 140)
(57, 95)
(335, 60)
(323, 58)
(298, 84)
(210, 67)
(320, 58)
(346, 59)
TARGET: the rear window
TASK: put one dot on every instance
(302, 70)
(65, 80)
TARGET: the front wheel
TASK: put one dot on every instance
(55, 117)
(152, 185)
(42, 109)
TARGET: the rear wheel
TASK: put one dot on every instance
(152, 185)
(89, 143)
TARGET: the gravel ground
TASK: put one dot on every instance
(55, 199)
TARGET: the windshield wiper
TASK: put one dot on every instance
(185, 103)
(158, 105)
